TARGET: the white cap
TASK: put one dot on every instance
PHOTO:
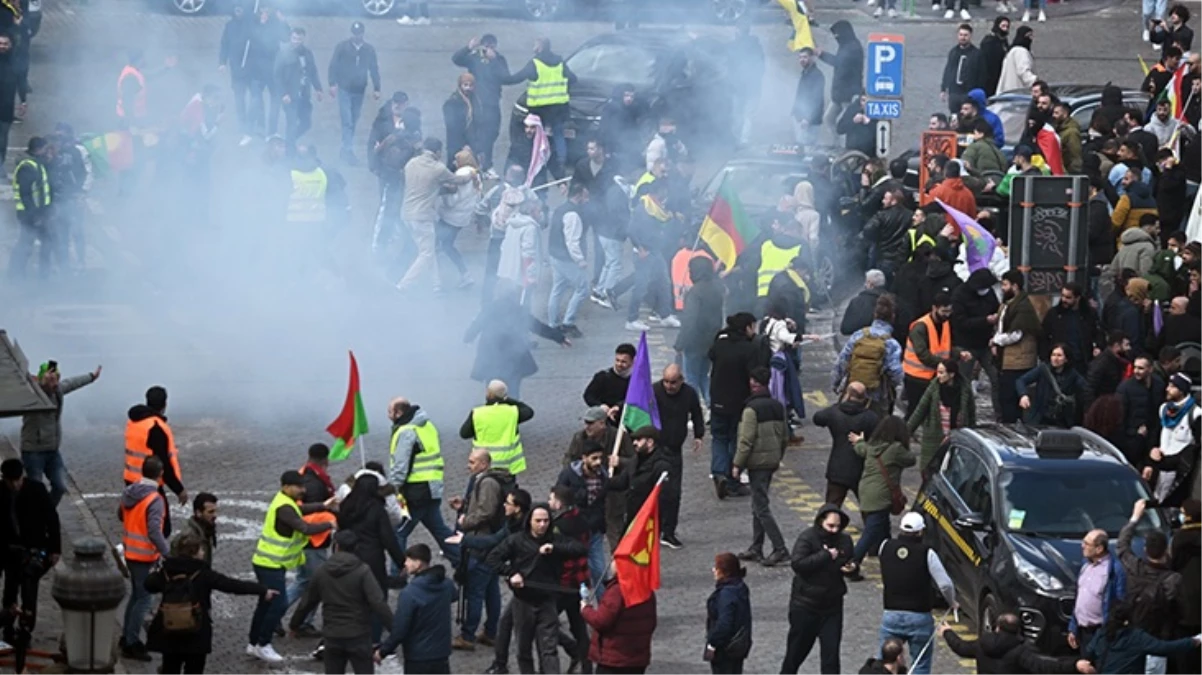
(913, 522)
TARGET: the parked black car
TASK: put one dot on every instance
(1006, 509)
(1083, 100)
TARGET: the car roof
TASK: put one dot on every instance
(1066, 92)
(1017, 446)
(648, 39)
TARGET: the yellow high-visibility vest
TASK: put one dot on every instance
(42, 187)
(916, 241)
(427, 465)
(773, 259)
(551, 87)
(496, 429)
(307, 204)
(274, 552)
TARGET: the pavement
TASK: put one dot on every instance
(254, 382)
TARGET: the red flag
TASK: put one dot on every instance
(352, 421)
(637, 557)
(1049, 147)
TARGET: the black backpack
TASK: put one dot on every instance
(181, 614)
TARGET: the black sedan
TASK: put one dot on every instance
(1082, 99)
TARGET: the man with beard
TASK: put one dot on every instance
(963, 72)
(929, 343)
(1072, 323)
(42, 432)
(1015, 343)
(608, 387)
(1069, 132)
(887, 233)
(490, 69)
(993, 52)
(1175, 458)
(808, 103)
(1141, 396)
(816, 599)
(975, 309)
(1108, 369)
(733, 355)
(202, 525)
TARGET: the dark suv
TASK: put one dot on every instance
(1006, 509)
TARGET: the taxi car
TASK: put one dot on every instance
(1006, 509)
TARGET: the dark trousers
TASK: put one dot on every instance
(537, 622)
(5, 127)
(1007, 396)
(491, 261)
(429, 514)
(29, 235)
(836, 493)
(483, 592)
(504, 636)
(183, 663)
(726, 666)
(913, 388)
(240, 87)
(357, 651)
(268, 123)
(444, 243)
(269, 613)
(1085, 636)
(762, 520)
(876, 530)
(298, 118)
(669, 498)
(438, 667)
(576, 644)
(488, 126)
(806, 626)
(17, 583)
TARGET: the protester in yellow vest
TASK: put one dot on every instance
(494, 426)
(416, 469)
(307, 203)
(281, 547)
(547, 94)
(776, 252)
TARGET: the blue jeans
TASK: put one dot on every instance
(723, 430)
(1037, 4)
(566, 275)
(49, 465)
(1153, 9)
(651, 284)
(876, 530)
(697, 373)
(314, 558)
(349, 107)
(139, 601)
(597, 560)
(483, 593)
(612, 269)
(269, 613)
(429, 513)
(914, 628)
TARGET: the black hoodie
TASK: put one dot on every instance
(519, 554)
(701, 318)
(963, 72)
(156, 440)
(818, 584)
(848, 77)
(993, 51)
(234, 52)
(971, 307)
(844, 467)
(349, 595)
(1001, 652)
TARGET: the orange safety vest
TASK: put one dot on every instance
(137, 542)
(941, 347)
(139, 110)
(137, 450)
(680, 273)
(319, 539)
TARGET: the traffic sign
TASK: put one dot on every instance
(883, 138)
(883, 110)
(886, 65)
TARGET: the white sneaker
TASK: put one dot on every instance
(670, 321)
(965, 16)
(893, 14)
(878, 12)
(269, 654)
(935, 7)
(949, 14)
(245, 141)
(637, 325)
(422, 21)
(1042, 16)
(252, 650)
(1147, 36)
(405, 21)
(872, 3)
(1026, 17)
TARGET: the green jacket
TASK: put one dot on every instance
(1070, 145)
(874, 489)
(926, 415)
(763, 434)
(984, 156)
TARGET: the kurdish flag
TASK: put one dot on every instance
(979, 244)
(352, 421)
(110, 153)
(640, 409)
(636, 559)
(1174, 93)
(801, 25)
(727, 230)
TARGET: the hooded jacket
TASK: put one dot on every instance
(940, 277)
(1136, 253)
(621, 634)
(701, 318)
(43, 431)
(519, 553)
(489, 74)
(955, 194)
(1132, 206)
(349, 596)
(999, 129)
(971, 304)
(1018, 68)
(204, 580)
(733, 355)
(407, 447)
(848, 62)
(1112, 107)
(519, 251)
(155, 513)
(421, 627)
(818, 584)
(726, 611)
(638, 478)
(844, 467)
(993, 52)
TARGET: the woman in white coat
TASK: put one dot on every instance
(1018, 68)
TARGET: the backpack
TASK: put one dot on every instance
(181, 614)
(508, 484)
(867, 361)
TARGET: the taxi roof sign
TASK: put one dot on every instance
(785, 149)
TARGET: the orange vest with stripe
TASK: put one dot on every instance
(137, 542)
(139, 110)
(136, 449)
(318, 540)
(940, 345)
(680, 273)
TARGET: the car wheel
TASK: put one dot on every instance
(378, 8)
(541, 10)
(191, 6)
(989, 613)
(729, 11)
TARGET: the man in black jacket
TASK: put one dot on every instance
(353, 61)
(29, 539)
(233, 56)
(1141, 396)
(808, 102)
(1005, 651)
(678, 405)
(733, 355)
(848, 62)
(608, 387)
(1154, 589)
(843, 467)
(639, 478)
(481, 58)
(1107, 370)
(887, 233)
(295, 78)
(816, 600)
(993, 51)
(964, 70)
(1071, 322)
(268, 29)
(975, 308)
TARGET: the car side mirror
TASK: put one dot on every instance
(972, 521)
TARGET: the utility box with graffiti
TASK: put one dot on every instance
(1049, 236)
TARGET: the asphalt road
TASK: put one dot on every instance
(252, 388)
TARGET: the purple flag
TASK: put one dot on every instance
(640, 409)
(979, 244)
(1157, 318)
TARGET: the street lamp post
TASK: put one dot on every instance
(89, 590)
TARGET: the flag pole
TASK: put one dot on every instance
(612, 558)
(621, 431)
(362, 454)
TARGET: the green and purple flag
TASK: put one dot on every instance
(640, 409)
(351, 422)
(979, 244)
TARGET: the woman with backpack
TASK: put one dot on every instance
(885, 454)
(182, 628)
(728, 617)
(1058, 391)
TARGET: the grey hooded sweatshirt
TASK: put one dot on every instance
(155, 513)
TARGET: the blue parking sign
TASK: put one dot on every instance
(883, 110)
(886, 65)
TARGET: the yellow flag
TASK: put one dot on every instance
(801, 26)
(1143, 65)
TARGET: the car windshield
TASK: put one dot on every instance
(1014, 117)
(759, 186)
(614, 64)
(1071, 503)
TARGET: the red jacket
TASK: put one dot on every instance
(955, 194)
(621, 635)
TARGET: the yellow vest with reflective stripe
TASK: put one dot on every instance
(551, 87)
(43, 186)
(916, 241)
(308, 201)
(272, 550)
(496, 428)
(773, 260)
(426, 466)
